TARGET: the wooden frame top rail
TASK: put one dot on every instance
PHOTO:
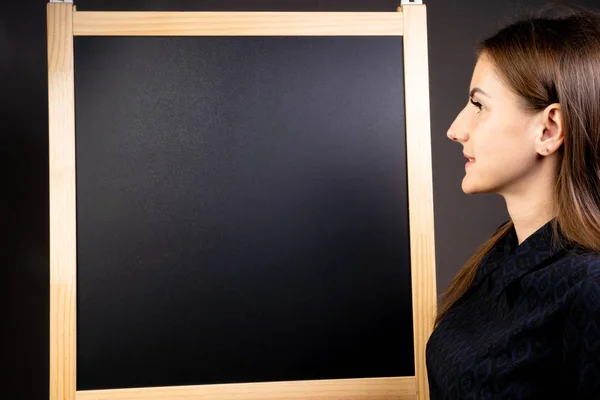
(170, 23)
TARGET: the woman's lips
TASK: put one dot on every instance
(470, 159)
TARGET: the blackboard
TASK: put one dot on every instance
(242, 211)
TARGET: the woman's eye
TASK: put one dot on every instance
(476, 104)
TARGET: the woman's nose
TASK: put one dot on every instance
(458, 131)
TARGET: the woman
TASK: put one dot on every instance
(521, 320)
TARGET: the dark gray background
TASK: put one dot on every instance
(461, 221)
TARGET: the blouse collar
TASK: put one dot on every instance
(537, 251)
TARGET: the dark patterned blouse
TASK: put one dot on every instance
(528, 328)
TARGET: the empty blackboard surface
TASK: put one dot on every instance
(242, 210)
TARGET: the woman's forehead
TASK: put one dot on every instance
(488, 81)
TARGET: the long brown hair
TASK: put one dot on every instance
(546, 61)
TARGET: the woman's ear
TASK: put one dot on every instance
(552, 135)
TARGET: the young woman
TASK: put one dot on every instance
(521, 320)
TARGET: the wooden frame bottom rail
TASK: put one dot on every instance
(401, 388)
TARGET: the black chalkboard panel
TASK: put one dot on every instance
(241, 210)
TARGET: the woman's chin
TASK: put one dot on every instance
(468, 187)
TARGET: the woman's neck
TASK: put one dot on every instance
(530, 214)
(531, 201)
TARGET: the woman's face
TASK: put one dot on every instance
(497, 135)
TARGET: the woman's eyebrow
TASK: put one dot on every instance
(478, 90)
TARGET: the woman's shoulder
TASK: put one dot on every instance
(579, 271)
(582, 260)
(581, 331)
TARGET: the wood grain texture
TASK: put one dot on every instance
(343, 389)
(420, 185)
(61, 102)
(94, 23)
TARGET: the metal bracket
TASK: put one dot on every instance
(410, 2)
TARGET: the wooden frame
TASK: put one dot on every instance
(64, 22)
